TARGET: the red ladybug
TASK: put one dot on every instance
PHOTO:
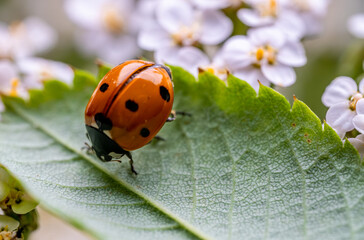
(128, 108)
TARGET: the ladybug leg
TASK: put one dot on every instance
(174, 114)
(87, 148)
(115, 160)
(128, 154)
(159, 138)
(183, 113)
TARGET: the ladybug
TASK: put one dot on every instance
(128, 108)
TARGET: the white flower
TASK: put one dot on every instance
(195, 61)
(216, 4)
(264, 55)
(179, 24)
(37, 70)
(26, 38)
(343, 98)
(356, 25)
(217, 67)
(10, 84)
(273, 13)
(342, 89)
(147, 9)
(358, 120)
(358, 143)
(190, 58)
(109, 28)
(311, 12)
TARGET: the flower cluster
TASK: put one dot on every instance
(345, 100)
(194, 34)
(346, 108)
(20, 70)
(189, 33)
(17, 208)
(108, 28)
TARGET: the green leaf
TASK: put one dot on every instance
(243, 166)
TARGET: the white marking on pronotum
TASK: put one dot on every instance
(115, 155)
(107, 133)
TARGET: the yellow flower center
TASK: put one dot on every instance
(210, 70)
(220, 72)
(268, 8)
(113, 20)
(354, 100)
(259, 54)
(266, 52)
(16, 28)
(14, 86)
(301, 5)
(45, 75)
(185, 35)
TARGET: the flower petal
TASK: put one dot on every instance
(252, 18)
(279, 74)
(8, 222)
(236, 52)
(42, 69)
(172, 15)
(114, 50)
(361, 84)
(341, 133)
(356, 25)
(31, 37)
(266, 36)
(211, 4)
(110, 48)
(42, 35)
(167, 55)
(5, 41)
(8, 73)
(216, 27)
(154, 37)
(358, 122)
(291, 24)
(253, 76)
(339, 90)
(191, 58)
(358, 144)
(360, 106)
(86, 14)
(313, 23)
(341, 117)
(292, 54)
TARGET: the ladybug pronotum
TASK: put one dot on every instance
(128, 108)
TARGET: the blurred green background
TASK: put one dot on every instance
(330, 54)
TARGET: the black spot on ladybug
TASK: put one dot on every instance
(104, 87)
(164, 93)
(131, 105)
(103, 122)
(144, 132)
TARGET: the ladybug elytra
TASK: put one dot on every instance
(128, 108)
